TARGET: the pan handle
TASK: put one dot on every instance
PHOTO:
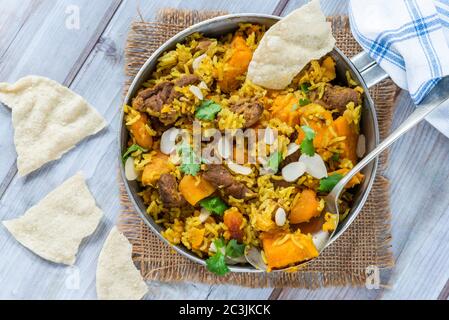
(370, 71)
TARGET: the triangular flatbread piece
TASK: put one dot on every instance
(48, 118)
(117, 276)
(289, 45)
(55, 227)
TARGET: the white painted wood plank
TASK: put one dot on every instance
(44, 46)
(418, 174)
(13, 16)
(421, 267)
(100, 81)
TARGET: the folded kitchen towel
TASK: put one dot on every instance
(409, 39)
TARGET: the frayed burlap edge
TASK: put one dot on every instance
(338, 265)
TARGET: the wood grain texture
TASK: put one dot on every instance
(90, 60)
(100, 80)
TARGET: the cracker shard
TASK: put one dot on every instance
(55, 227)
(289, 45)
(48, 119)
(117, 276)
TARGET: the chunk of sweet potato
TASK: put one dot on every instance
(328, 65)
(283, 249)
(343, 128)
(195, 189)
(304, 207)
(237, 64)
(233, 219)
(158, 166)
(283, 109)
(140, 133)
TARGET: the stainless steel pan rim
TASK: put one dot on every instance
(230, 22)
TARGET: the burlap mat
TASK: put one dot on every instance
(365, 243)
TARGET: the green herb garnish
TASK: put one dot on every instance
(305, 87)
(190, 164)
(304, 102)
(235, 249)
(132, 149)
(307, 144)
(335, 157)
(327, 184)
(214, 205)
(207, 110)
(274, 161)
(217, 262)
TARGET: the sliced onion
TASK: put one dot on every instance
(320, 239)
(212, 247)
(130, 171)
(280, 217)
(204, 215)
(197, 61)
(203, 85)
(314, 165)
(254, 258)
(168, 140)
(269, 136)
(239, 169)
(196, 92)
(361, 146)
(293, 171)
(232, 261)
(224, 148)
(292, 148)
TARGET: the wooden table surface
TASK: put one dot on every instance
(35, 39)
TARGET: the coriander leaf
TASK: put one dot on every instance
(235, 249)
(190, 163)
(132, 149)
(310, 134)
(307, 144)
(214, 205)
(304, 102)
(190, 168)
(207, 110)
(274, 161)
(335, 157)
(327, 184)
(305, 87)
(216, 263)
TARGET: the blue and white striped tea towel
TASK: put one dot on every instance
(409, 39)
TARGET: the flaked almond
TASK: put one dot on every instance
(197, 61)
(203, 85)
(204, 215)
(315, 165)
(293, 171)
(196, 92)
(130, 170)
(168, 140)
(280, 217)
(292, 148)
(320, 239)
(239, 169)
(224, 148)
